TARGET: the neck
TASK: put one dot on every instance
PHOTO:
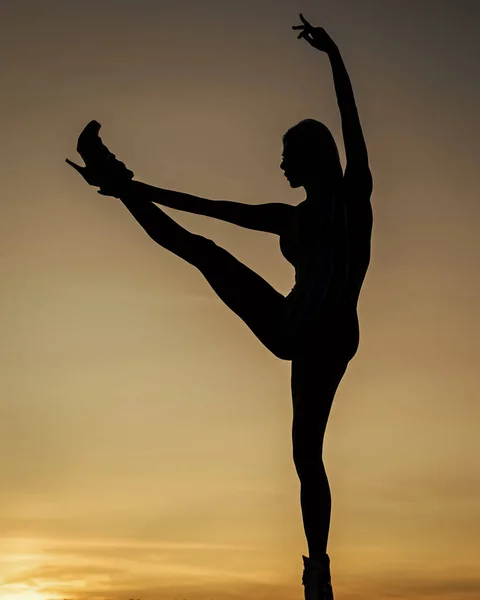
(321, 200)
(318, 189)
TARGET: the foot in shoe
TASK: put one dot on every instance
(102, 168)
(316, 579)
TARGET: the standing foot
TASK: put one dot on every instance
(316, 579)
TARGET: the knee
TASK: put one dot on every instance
(308, 463)
(310, 471)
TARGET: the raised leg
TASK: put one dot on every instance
(247, 294)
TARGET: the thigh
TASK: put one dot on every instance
(323, 348)
(314, 382)
(247, 294)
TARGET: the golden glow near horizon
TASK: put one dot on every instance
(25, 592)
(145, 434)
(23, 595)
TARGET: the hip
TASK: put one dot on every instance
(332, 331)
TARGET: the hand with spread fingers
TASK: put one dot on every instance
(102, 169)
(315, 36)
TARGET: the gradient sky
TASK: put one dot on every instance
(145, 447)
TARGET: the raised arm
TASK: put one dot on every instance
(355, 147)
(358, 178)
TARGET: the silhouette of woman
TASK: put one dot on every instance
(327, 240)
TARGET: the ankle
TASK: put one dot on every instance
(318, 556)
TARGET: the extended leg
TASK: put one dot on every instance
(247, 294)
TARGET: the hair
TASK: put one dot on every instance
(315, 141)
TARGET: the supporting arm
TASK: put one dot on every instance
(270, 217)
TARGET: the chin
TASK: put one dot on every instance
(294, 184)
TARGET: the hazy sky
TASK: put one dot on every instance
(145, 442)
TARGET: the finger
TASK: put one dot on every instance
(75, 166)
(113, 193)
(298, 26)
(305, 35)
(304, 21)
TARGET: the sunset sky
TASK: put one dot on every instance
(145, 433)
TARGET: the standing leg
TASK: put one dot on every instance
(314, 383)
(313, 389)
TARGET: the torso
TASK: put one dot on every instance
(304, 245)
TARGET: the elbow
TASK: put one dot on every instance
(360, 172)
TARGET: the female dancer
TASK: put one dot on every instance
(327, 240)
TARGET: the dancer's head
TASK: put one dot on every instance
(310, 156)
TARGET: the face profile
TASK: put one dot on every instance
(310, 157)
(292, 167)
